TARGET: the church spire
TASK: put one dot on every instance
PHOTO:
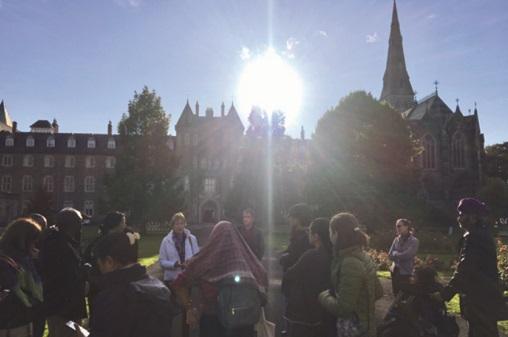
(397, 89)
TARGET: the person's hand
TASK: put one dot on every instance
(192, 318)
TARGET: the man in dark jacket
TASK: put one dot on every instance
(252, 235)
(476, 278)
(62, 275)
(299, 218)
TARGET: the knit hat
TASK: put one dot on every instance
(471, 206)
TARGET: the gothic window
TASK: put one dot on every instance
(429, 152)
(28, 160)
(69, 185)
(111, 144)
(6, 184)
(48, 184)
(90, 162)
(458, 151)
(7, 160)
(30, 141)
(210, 185)
(50, 142)
(9, 141)
(49, 161)
(71, 142)
(90, 143)
(70, 161)
(89, 208)
(90, 184)
(27, 184)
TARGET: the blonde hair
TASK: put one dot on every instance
(177, 216)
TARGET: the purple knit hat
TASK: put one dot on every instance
(471, 206)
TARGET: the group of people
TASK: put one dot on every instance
(330, 282)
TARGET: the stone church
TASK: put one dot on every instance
(450, 164)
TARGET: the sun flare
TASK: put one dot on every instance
(270, 83)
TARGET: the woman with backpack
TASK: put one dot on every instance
(233, 285)
(130, 302)
(20, 284)
(354, 280)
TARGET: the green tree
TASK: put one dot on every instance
(495, 194)
(145, 183)
(496, 161)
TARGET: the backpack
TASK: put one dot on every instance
(238, 304)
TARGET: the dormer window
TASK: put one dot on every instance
(30, 141)
(91, 143)
(9, 141)
(50, 142)
(111, 144)
(71, 142)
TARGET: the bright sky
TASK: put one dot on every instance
(80, 61)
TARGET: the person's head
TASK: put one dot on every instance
(299, 216)
(345, 231)
(113, 222)
(20, 237)
(39, 219)
(69, 221)
(319, 233)
(402, 227)
(248, 218)
(425, 277)
(117, 250)
(470, 212)
(178, 223)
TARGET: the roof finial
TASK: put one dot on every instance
(436, 84)
(475, 108)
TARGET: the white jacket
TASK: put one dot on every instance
(168, 255)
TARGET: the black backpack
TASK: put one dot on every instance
(238, 304)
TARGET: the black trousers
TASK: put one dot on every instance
(209, 326)
(483, 329)
(299, 330)
(399, 282)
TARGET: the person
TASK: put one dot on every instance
(40, 220)
(20, 285)
(299, 218)
(130, 302)
(304, 281)
(416, 312)
(355, 286)
(402, 253)
(176, 249)
(476, 278)
(113, 222)
(224, 257)
(63, 277)
(252, 234)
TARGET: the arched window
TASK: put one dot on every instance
(48, 184)
(458, 151)
(90, 184)
(27, 184)
(50, 141)
(9, 141)
(429, 152)
(71, 142)
(49, 161)
(30, 141)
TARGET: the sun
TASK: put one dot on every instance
(270, 83)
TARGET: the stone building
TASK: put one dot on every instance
(450, 164)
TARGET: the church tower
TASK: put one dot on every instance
(397, 90)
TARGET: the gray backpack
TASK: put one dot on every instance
(238, 304)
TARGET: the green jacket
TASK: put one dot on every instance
(356, 288)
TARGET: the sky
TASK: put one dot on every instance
(80, 61)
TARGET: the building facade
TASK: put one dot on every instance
(450, 163)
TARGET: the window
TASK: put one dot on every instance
(90, 184)
(110, 162)
(111, 144)
(186, 139)
(9, 141)
(50, 142)
(28, 160)
(90, 162)
(27, 184)
(48, 184)
(88, 208)
(49, 161)
(458, 151)
(429, 152)
(30, 141)
(69, 185)
(91, 143)
(6, 184)
(68, 204)
(7, 160)
(71, 142)
(70, 161)
(210, 185)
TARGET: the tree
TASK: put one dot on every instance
(260, 125)
(496, 161)
(361, 159)
(145, 182)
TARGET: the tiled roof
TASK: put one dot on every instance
(432, 104)
(41, 123)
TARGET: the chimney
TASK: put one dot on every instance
(55, 126)
(14, 127)
(197, 108)
(222, 110)
(110, 128)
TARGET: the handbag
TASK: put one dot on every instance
(264, 328)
